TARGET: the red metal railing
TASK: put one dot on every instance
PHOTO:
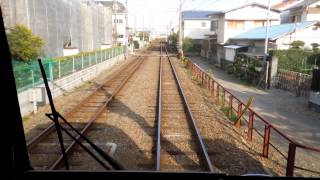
(236, 105)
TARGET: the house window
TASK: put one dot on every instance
(235, 24)
(120, 36)
(258, 23)
(118, 21)
(214, 25)
(203, 24)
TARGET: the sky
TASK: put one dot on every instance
(162, 15)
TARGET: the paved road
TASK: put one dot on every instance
(283, 109)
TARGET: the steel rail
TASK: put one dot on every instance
(205, 156)
(95, 117)
(159, 112)
(50, 128)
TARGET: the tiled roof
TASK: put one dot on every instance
(200, 15)
(243, 6)
(275, 31)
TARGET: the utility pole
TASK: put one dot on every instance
(143, 29)
(115, 21)
(127, 35)
(266, 46)
(180, 31)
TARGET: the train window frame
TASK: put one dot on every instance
(15, 161)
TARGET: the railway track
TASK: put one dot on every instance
(179, 144)
(171, 138)
(44, 149)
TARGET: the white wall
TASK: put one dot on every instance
(194, 30)
(121, 27)
(308, 35)
(313, 17)
(69, 52)
(251, 13)
(230, 53)
(301, 13)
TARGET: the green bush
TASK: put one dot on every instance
(24, 46)
(189, 46)
(245, 68)
(136, 44)
(173, 40)
(297, 60)
(315, 47)
(297, 44)
(226, 111)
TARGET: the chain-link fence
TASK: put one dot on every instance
(29, 75)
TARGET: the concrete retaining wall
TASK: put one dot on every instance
(31, 99)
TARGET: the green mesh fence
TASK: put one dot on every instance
(28, 75)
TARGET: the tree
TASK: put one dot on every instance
(297, 44)
(136, 44)
(187, 44)
(24, 46)
(173, 40)
(315, 47)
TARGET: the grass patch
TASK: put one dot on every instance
(226, 111)
(25, 118)
(210, 71)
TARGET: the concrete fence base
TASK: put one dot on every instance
(314, 101)
(31, 99)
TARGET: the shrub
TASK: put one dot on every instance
(136, 44)
(245, 68)
(173, 40)
(315, 47)
(187, 44)
(297, 44)
(226, 111)
(297, 60)
(24, 46)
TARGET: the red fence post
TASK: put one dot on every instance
(250, 125)
(230, 105)
(266, 141)
(238, 124)
(218, 93)
(212, 93)
(202, 78)
(208, 81)
(291, 159)
(224, 98)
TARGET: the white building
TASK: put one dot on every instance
(196, 25)
(282, 6)
(280, 37)
(307, 10)
(235, 21)
(119, 21)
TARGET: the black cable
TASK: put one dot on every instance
(55, 116)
